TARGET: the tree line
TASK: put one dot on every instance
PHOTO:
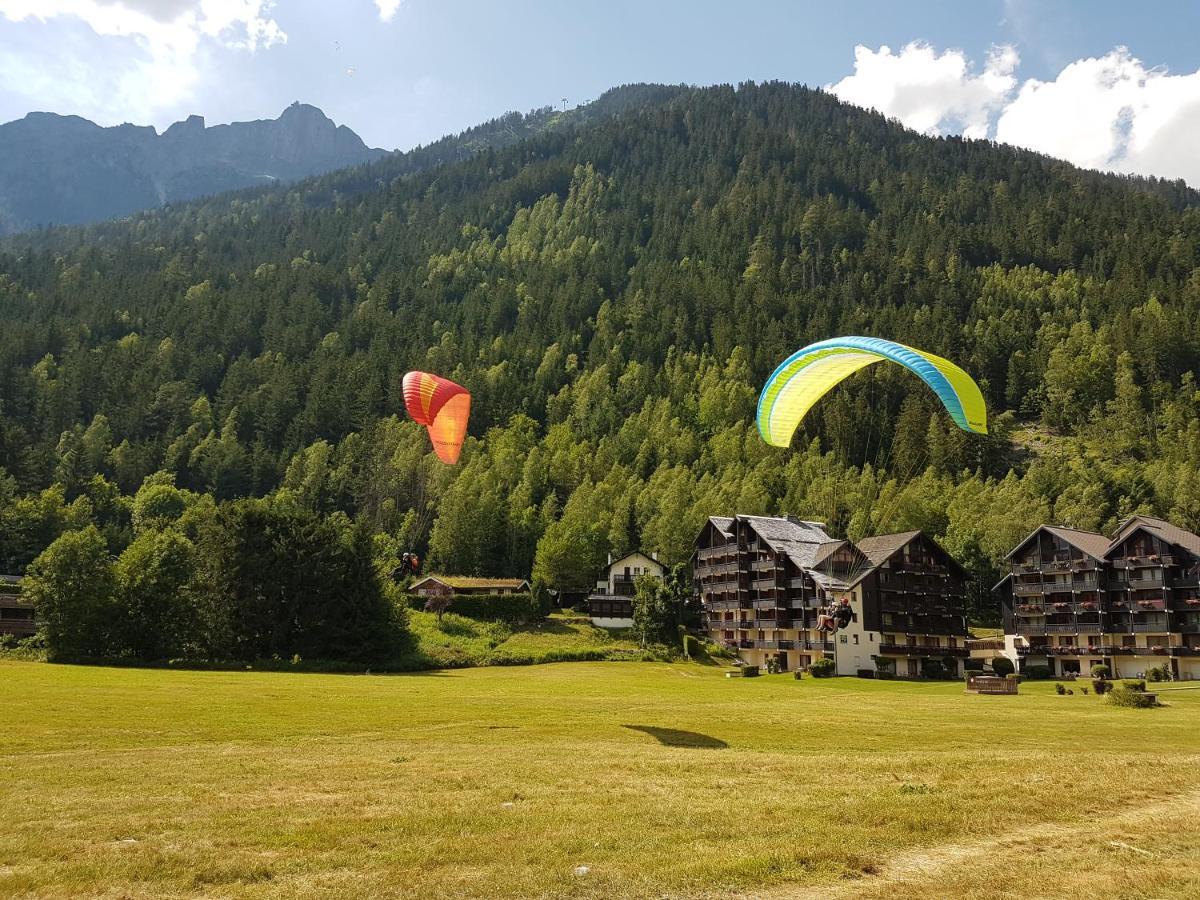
(613, 290)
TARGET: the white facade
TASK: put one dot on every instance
(611, 600)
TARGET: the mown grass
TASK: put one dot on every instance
(660, 779)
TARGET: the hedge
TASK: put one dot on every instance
(514, 608)
(822, 668)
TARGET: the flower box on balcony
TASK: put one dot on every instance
(1193, 601)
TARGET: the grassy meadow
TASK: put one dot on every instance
(661, 780)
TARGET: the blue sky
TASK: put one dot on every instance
(402, 72)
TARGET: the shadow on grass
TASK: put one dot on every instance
(673, 737)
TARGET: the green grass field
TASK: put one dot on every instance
(662, 780)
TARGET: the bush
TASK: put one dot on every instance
(750, 671)
(865, 673)
(1122, 695)
(822, 668)
(1100, 686)
(1060, 690)
(1035, 673)
(1134, 684)
(973, 665)
(1002, 666)
(1100, 671)
(1159, 673)
(887, 676)
(797, 674)
(512, 608)
(691, 647)
(932, 668)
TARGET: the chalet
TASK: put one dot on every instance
(610, 605)
(1073, 599)
(763, 582)
(914, 596)
(16, 614)
(460, 585)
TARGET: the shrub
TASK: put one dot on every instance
(1134, 684)
(1122, 695)
(865, 673)
(691, 647)
(512, 608)
(1159, 673)
(797, 674)
(932, 668)
(750, 671)
(1060, 690)
(822, 668)
(973, 665)
(1002, 665)
(1085, 691)
(1038, 672)
(1100, 671)
(885, 675)
(1100, 686)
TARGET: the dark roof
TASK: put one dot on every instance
(1093, 544)
(797, 538)
(826, 550)
(878, 549)
(722, 524)
(1172, 534)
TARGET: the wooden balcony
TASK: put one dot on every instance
(922, 650)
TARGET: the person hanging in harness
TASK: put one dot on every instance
(835, 616)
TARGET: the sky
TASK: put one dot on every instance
(1107, 85)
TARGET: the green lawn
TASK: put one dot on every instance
(660, 779)
(458, 640)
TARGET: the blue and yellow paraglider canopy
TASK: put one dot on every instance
(809, 374)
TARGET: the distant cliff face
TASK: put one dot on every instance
(59, 170)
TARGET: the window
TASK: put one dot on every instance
(855, 636)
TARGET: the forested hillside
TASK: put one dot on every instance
(613, 290)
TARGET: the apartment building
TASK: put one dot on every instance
(763, 581)
(1073, 599)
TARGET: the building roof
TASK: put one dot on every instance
(723, 524)
(879, 549)
(1172, 534)
(797, 538)
(826, 550)
(466, 582)
(618, 561)
(1093, 544)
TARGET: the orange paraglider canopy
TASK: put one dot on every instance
(443, 407)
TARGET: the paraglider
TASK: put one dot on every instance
(443, 407)
(835, 617)
(809, 374)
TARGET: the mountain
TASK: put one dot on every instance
(66, 170)
(613, 285)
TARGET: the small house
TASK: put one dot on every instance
(610, 605)
(463, 585)
(16, 613)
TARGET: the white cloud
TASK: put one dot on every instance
(1110, 112)
(388, 8)
(151, 53)
(929, 91)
